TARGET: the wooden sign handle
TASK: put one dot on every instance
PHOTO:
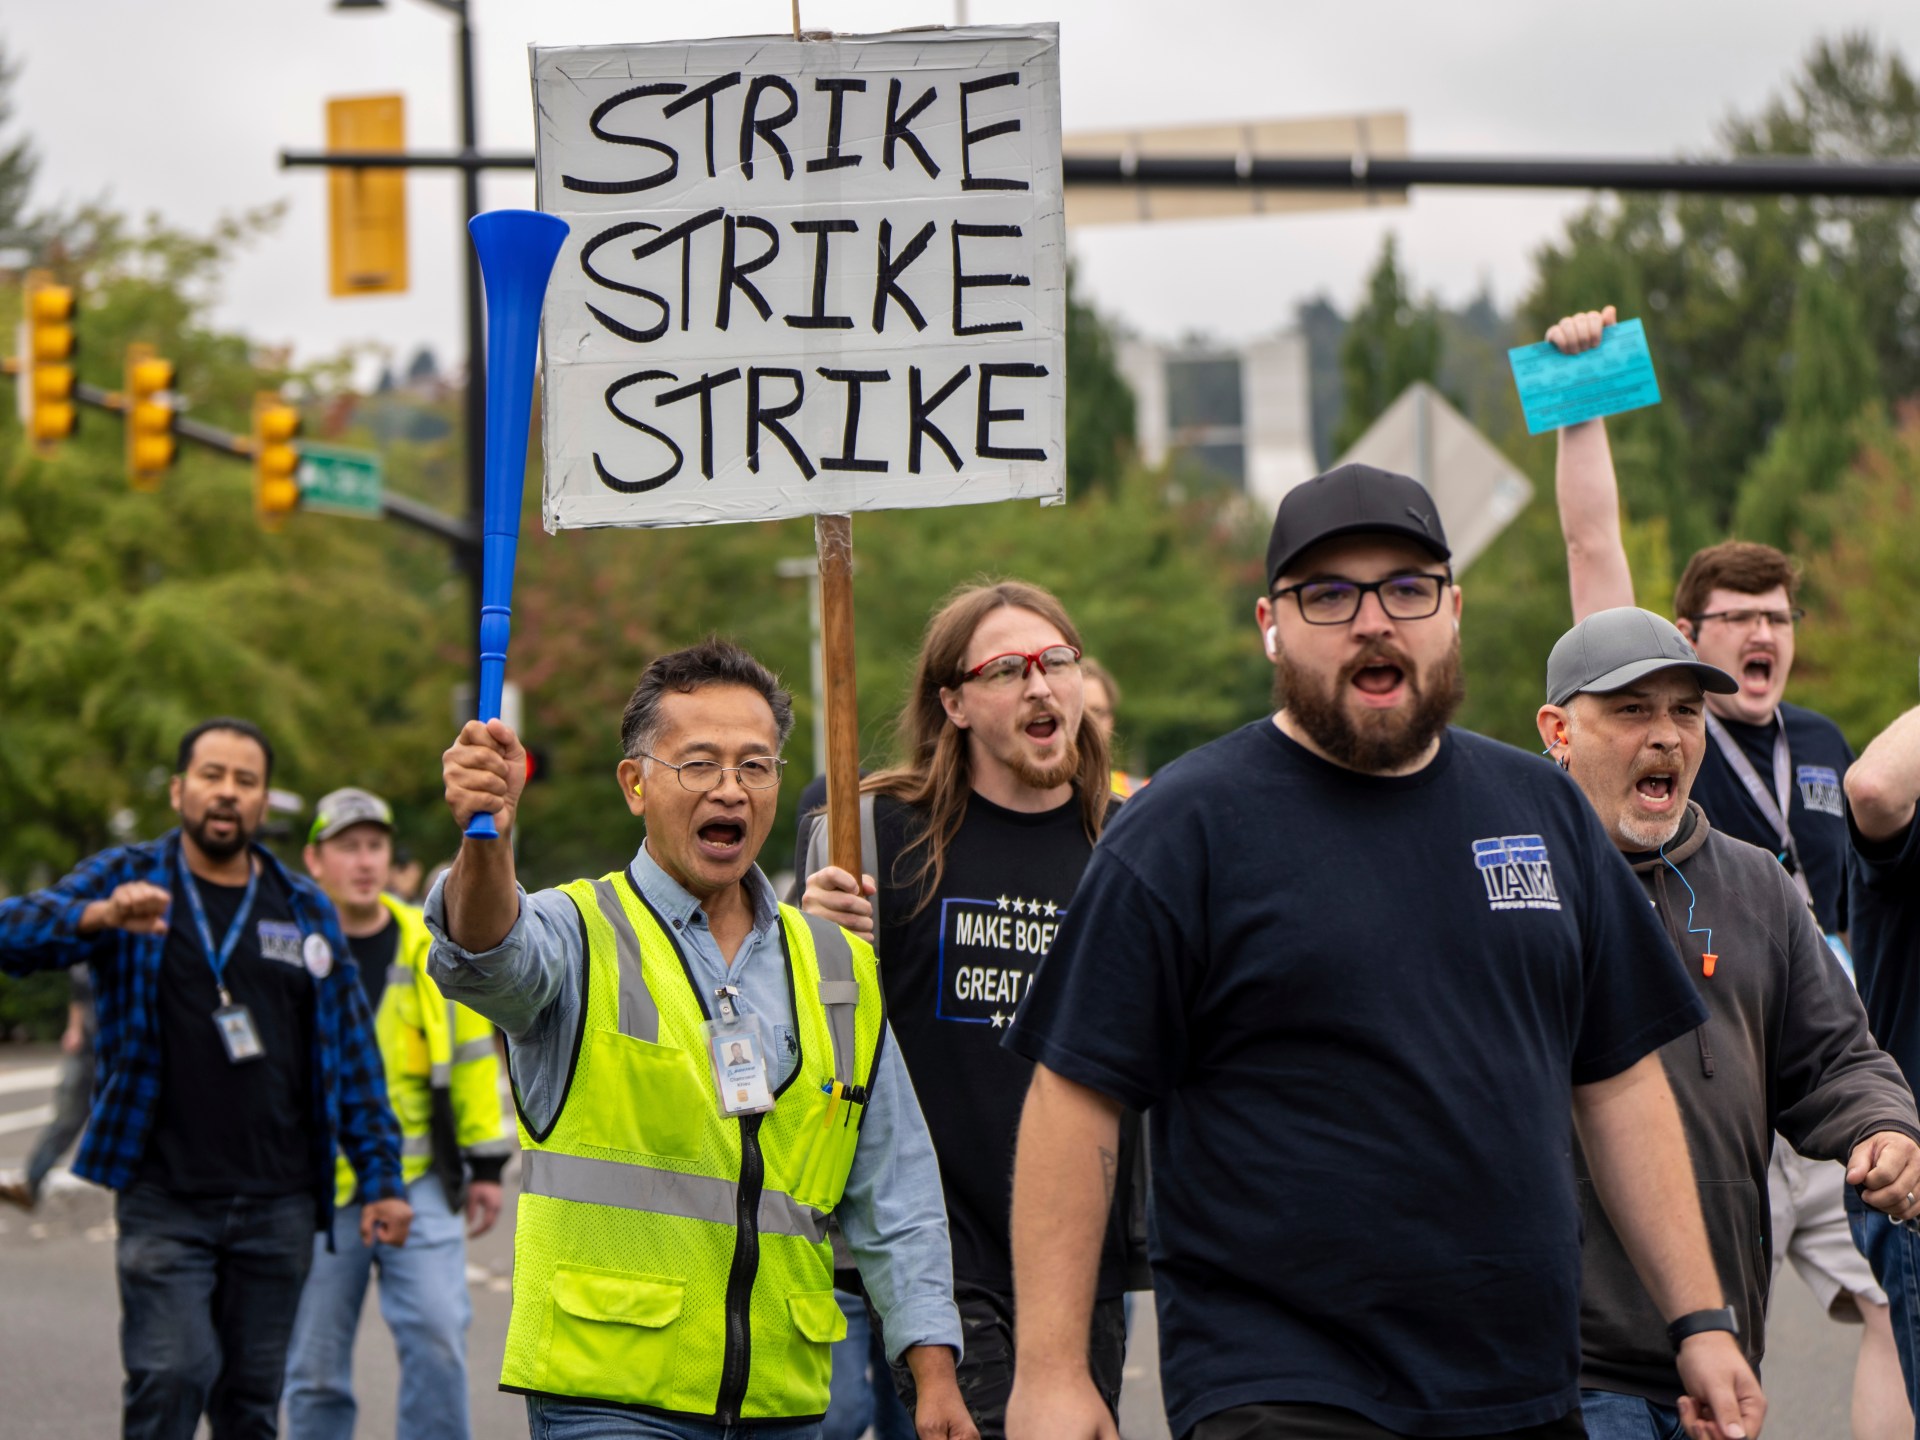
(833, 538)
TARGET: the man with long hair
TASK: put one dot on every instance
(980, 835)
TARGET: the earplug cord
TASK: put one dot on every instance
(1692, 900)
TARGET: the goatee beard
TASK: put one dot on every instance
(219, 849)
(1377, 742)
(1046, 777)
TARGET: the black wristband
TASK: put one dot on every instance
(1701, 1321)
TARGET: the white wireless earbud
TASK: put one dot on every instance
(1273, 643)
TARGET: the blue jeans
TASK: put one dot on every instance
(423, 1297)
(72, 1103)
(863, 1392)
(572, 1420)
(208, 1290)
(1612, 1416)
(1893, 1251)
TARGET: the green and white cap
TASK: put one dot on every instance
(342, 809)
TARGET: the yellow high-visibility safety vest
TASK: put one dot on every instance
(428, 1045)
(666, 1256)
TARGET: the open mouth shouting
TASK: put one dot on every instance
(1757, 669)
(1380, 679)
(1042, 729)
(1657, 792)
(722, 840)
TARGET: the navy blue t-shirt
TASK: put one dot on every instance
(1354, 1008)
(1883, 903)
(1818, 756)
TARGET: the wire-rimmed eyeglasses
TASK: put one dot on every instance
(758, 772)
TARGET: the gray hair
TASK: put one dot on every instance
(713, 661)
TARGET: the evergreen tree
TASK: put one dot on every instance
(1390, 343)
(1832, 398)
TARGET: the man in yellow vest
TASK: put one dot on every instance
(1102, 707)
(443, 1080)
(703, 1076)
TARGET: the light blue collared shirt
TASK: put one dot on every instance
(893, 1215)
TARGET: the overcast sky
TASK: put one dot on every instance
(182, 107)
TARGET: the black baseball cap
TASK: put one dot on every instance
(1351, 500)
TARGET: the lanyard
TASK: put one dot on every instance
(217, 958)
(1773, 807)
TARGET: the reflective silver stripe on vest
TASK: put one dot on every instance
(440, 1076)
(639, 1016)
(839, 991)
(416, 1145)
(662, 1192)
(480, 1048)
(399, 975)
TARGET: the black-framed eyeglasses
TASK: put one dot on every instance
(1335, 602)
(1005, 669)
(759, 772)
(1747, 619)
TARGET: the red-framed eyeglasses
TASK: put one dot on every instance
(1005, 669)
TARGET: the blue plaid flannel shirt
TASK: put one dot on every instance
(40, 931)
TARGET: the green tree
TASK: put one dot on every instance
(1716, 281)
(1855, 659)
(18, 163)
(1390, 343)
(1100, 426)
(1832, 403)
(126, 617)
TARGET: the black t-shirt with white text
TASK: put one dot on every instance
(1818, 756)
(1354, 1009)
(955, 972)
(222, 1128)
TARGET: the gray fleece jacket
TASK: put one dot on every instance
(1785, 1048)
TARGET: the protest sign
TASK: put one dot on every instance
(1558, 389)
(803, 277)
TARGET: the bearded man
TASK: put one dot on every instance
(235, 1048)
(980, 837)
(1365, 974)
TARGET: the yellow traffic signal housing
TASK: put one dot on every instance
(149, 415)
(276, 464)
(46, 371)
(367, 209)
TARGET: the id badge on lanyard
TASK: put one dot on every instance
(239, 1036)
(737, 1053)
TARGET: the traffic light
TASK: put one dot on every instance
(149, 416)
(276, 484)
(46, 370)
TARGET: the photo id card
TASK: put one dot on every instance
(738, 1053)
(238, 1034)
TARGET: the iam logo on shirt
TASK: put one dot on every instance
(1820, 789)
(280, 940)
(1516, 872)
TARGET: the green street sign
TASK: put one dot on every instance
(340, 482)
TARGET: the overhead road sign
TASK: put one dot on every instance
(1231, 149)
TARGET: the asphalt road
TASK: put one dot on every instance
(59, 1357)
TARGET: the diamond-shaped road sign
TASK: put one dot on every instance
(1478, 489)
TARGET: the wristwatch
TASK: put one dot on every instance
(1700, 1321)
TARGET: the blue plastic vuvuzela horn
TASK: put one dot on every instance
(517, 250)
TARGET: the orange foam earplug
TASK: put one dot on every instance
(1708, 962)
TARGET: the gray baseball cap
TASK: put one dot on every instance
(342, 809)
(1611, 649)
